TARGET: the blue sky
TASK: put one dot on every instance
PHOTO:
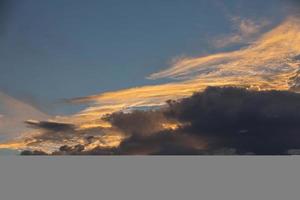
(68, 48)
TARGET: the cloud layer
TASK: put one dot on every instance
(272, 54)
(217, 121)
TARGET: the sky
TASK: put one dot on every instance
(71, 61)
(64, 49)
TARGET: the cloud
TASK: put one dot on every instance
(217, 121)
(13, 114)
(51, 126)
(32, 153)
(145, 122)
(162, 143)
(265, 122)
(271, 55)
(50, 136)
(245, 31)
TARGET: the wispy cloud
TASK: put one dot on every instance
(13, 114)
(270, 55)
(245, 31)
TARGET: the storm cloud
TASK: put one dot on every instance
(217, 121)
(266, 122)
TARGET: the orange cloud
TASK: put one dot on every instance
(271, 54)
(245, 32)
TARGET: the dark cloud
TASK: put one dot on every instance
(68, 150)
(162, 143)
(51, 126)
(218, 121)
(138, 122)
(33, 153)
(266, 122)
(54, 133)
(51, 132)
(166, 143)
